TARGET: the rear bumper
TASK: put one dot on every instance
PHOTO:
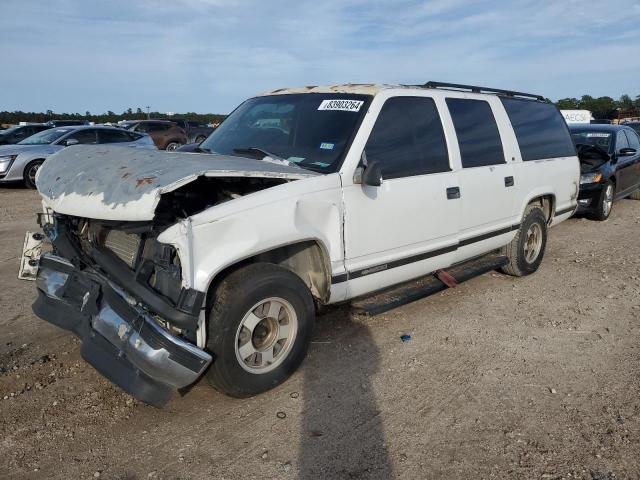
(119, 340)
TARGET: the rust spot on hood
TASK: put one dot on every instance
(144, 181)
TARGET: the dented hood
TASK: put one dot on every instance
(123, 183)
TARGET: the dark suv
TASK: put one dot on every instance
(16, 134)
(165, 134)
(197, 132)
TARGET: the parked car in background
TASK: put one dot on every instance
(609, 166)
(66, 123)
(21, 162)
(165, 134)
(20, 132)
(215, 264)
(196, 131)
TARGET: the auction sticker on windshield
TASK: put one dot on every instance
(344, 105)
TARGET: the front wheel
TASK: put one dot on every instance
(30, 171)
(259, 329)
(172, 146)
(605, 203)
(526, 250)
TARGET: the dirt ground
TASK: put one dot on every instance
(536, 377)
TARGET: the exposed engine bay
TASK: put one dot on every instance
(591, 157)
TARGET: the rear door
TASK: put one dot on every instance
(487, 182)
(407, 226)
(624, 164)
(634, 142)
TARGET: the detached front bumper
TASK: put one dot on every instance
(118, 339)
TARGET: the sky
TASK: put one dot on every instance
(207, 56)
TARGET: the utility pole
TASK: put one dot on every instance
(148, 107)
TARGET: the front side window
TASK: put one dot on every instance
(87, 136)
(621, 141)
(312, 130)
(540, 129)
(407, 139)
(477, 132)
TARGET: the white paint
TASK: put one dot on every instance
(577, 116)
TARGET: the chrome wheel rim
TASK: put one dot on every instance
(266, 335)
(171, 147)
(533, 243)
(607, 202)
(32, 173)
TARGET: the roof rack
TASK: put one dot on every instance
(475, 89)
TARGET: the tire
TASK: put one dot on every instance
(29, 173)
(172, 146)
(200, 139)
(635, 195)
(605, 203)
(526, 250)
(241, 326)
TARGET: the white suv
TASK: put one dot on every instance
(174, 265)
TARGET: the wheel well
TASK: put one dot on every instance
(306, 259)
(547, 203)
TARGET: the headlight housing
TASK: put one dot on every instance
(586, 178)
(5, 162)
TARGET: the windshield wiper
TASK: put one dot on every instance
(263, 153)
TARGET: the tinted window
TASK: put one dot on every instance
(477, 132)
(634, 141)
(540, 129)
(113, 136)
(591, 137)
(407, 138)
(621, 141)
(84, 136)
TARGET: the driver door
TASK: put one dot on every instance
(407, 226)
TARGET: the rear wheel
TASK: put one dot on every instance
(605, 203)
(526, 250)
(171, 146)
(30, 171)
(259, 329)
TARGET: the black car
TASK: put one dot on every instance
(16, 134)
(609, 165)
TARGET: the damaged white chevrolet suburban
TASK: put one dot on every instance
(173, 265)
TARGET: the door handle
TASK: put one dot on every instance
(509, 181)
(453, 193)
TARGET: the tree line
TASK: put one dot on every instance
(601, 107)
(129, 114)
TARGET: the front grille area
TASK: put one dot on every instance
(125, 245)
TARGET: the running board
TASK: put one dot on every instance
(408, 292)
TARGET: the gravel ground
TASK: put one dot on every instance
(502, 378)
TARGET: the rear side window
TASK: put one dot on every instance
(540, 129)
(407, 139)
(113, 136)
(477, 132)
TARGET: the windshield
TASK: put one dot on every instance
(312, 130)
(593, 138)
(45, 137)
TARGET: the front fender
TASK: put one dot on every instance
(205, 249)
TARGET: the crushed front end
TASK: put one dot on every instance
(120, 290)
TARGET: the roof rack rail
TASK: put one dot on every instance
(474, 89)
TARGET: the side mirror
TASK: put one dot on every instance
(71, 141)
(372, 174)
(626, 152)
